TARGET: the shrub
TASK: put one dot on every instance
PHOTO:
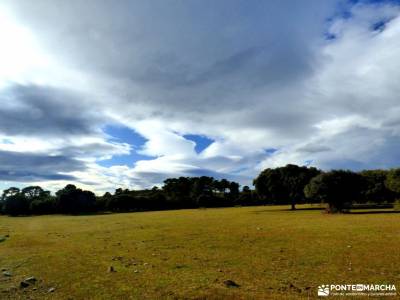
(71, 200)
(338, 188)
(396, 205)
(43, 206)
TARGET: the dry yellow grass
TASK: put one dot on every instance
(268, 251)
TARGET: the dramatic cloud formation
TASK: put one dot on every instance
(112, 94)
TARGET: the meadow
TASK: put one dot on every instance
(270, 252)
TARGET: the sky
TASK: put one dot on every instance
(107, 94)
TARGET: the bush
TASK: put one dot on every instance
(393, 181)
(338, 188)
(284, 185)
(205, 200)
(374, 189)
(71, 200)
(121, 202)
(16, 205)
(43, 206)
(396, 205)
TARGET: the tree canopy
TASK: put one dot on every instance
(284, 185)
(288, 185)
(338, 188)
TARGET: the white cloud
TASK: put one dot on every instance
(250, 77)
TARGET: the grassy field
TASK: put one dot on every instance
(269, 251)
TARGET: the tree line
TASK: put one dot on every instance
(289, 185)
(176, 193)
(340, 189)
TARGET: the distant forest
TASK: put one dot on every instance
(289, 185)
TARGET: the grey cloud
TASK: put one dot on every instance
(15, 166)
(179, 56)
(90, 150)
(31, 176)
(209, 62)
(313, 148)
(357, 149)
(213, 68)
(45, 111)
(347, 164)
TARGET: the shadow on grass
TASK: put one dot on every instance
(289, 210)
(373, 212)
(354, 210)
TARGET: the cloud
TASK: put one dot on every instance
(46, 111)
(314, 82)
(33, 167)
(313, 148)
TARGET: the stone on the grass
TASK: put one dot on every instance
(230, 283)
(7, 273)
(51, 290)
(23, 284)
(30, 279)
(117, 258)
(179, 266)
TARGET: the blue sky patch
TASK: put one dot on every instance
(329, 36)
(202, 142)
(123, 134)
(270, 150)
(124, 160)
(308, 163)
(379, 26)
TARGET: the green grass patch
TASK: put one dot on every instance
(269, 252)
